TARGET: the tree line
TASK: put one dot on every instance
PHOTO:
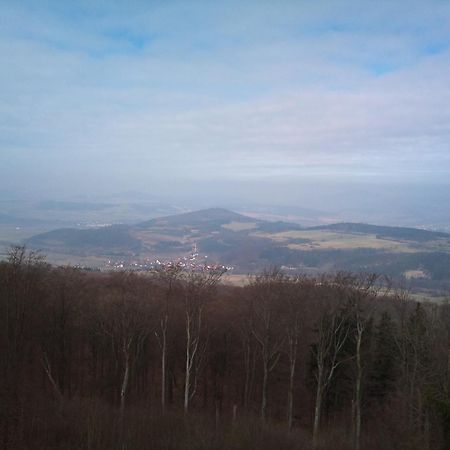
(123, 360)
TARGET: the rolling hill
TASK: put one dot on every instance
(251, 244)
(403, 233)
(215, 230)
(115, 239)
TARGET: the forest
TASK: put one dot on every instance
(176, 359)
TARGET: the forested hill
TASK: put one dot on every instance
(211, 218)
(213, 229)
(170, 361)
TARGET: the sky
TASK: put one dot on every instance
(147, 95)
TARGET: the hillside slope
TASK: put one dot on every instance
(411, 234)
(250, 245)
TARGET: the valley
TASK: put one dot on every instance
(418, 258)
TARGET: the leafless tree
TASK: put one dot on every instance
(249, 355)
(169, 278)
(197, 288)
(266, 291)
(360, 293)
(125, 320)
(332, 333)
(21, 289)
(296, 293)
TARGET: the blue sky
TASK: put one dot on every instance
(120, 95)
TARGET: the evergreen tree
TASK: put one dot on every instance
(384, 370)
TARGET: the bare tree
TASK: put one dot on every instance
(332, 334)
(170, 279)
(360, 293)
(59, 323)
(249, 356)
(297, 291)
(19, 312)
(266, 294)
(197, 289)
(124, 319)
(415, 343)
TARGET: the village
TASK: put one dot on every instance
(192, 262)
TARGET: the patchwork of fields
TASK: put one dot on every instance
(322, 239)
(418, 257)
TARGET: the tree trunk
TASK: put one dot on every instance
(56, 389)
(291, 394)
(357, 437)
(187, 384)
(171, 381)
(217, 411)
(163, 364)
(293, 344)
(187, 377)
(317, 409)
(264, 392)
(123, 390)
(247, 375)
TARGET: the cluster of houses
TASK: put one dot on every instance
(192, 262)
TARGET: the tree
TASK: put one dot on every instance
(266, 323)
(360, 293)
(332, 332)
(126, 320)
(297, 291)
(384, 372)
(418, 363)
(249, 351)
(21, 290)
(197, 288)
(59, 328)
(170, 278)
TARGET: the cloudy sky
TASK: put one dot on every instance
(122, 95)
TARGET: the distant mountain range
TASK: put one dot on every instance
(251, 244)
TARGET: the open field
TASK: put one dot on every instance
(240, 226)
(236, 279)
(415, 273)
(326, 240)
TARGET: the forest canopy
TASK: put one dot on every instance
(175, 359)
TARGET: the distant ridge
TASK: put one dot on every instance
(223, 223)
(106, 240)
(217, 215)
(413, 234)
(249, 245)
(115, 239)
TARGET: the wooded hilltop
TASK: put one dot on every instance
(176, 359)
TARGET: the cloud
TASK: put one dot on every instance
(239, 89)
